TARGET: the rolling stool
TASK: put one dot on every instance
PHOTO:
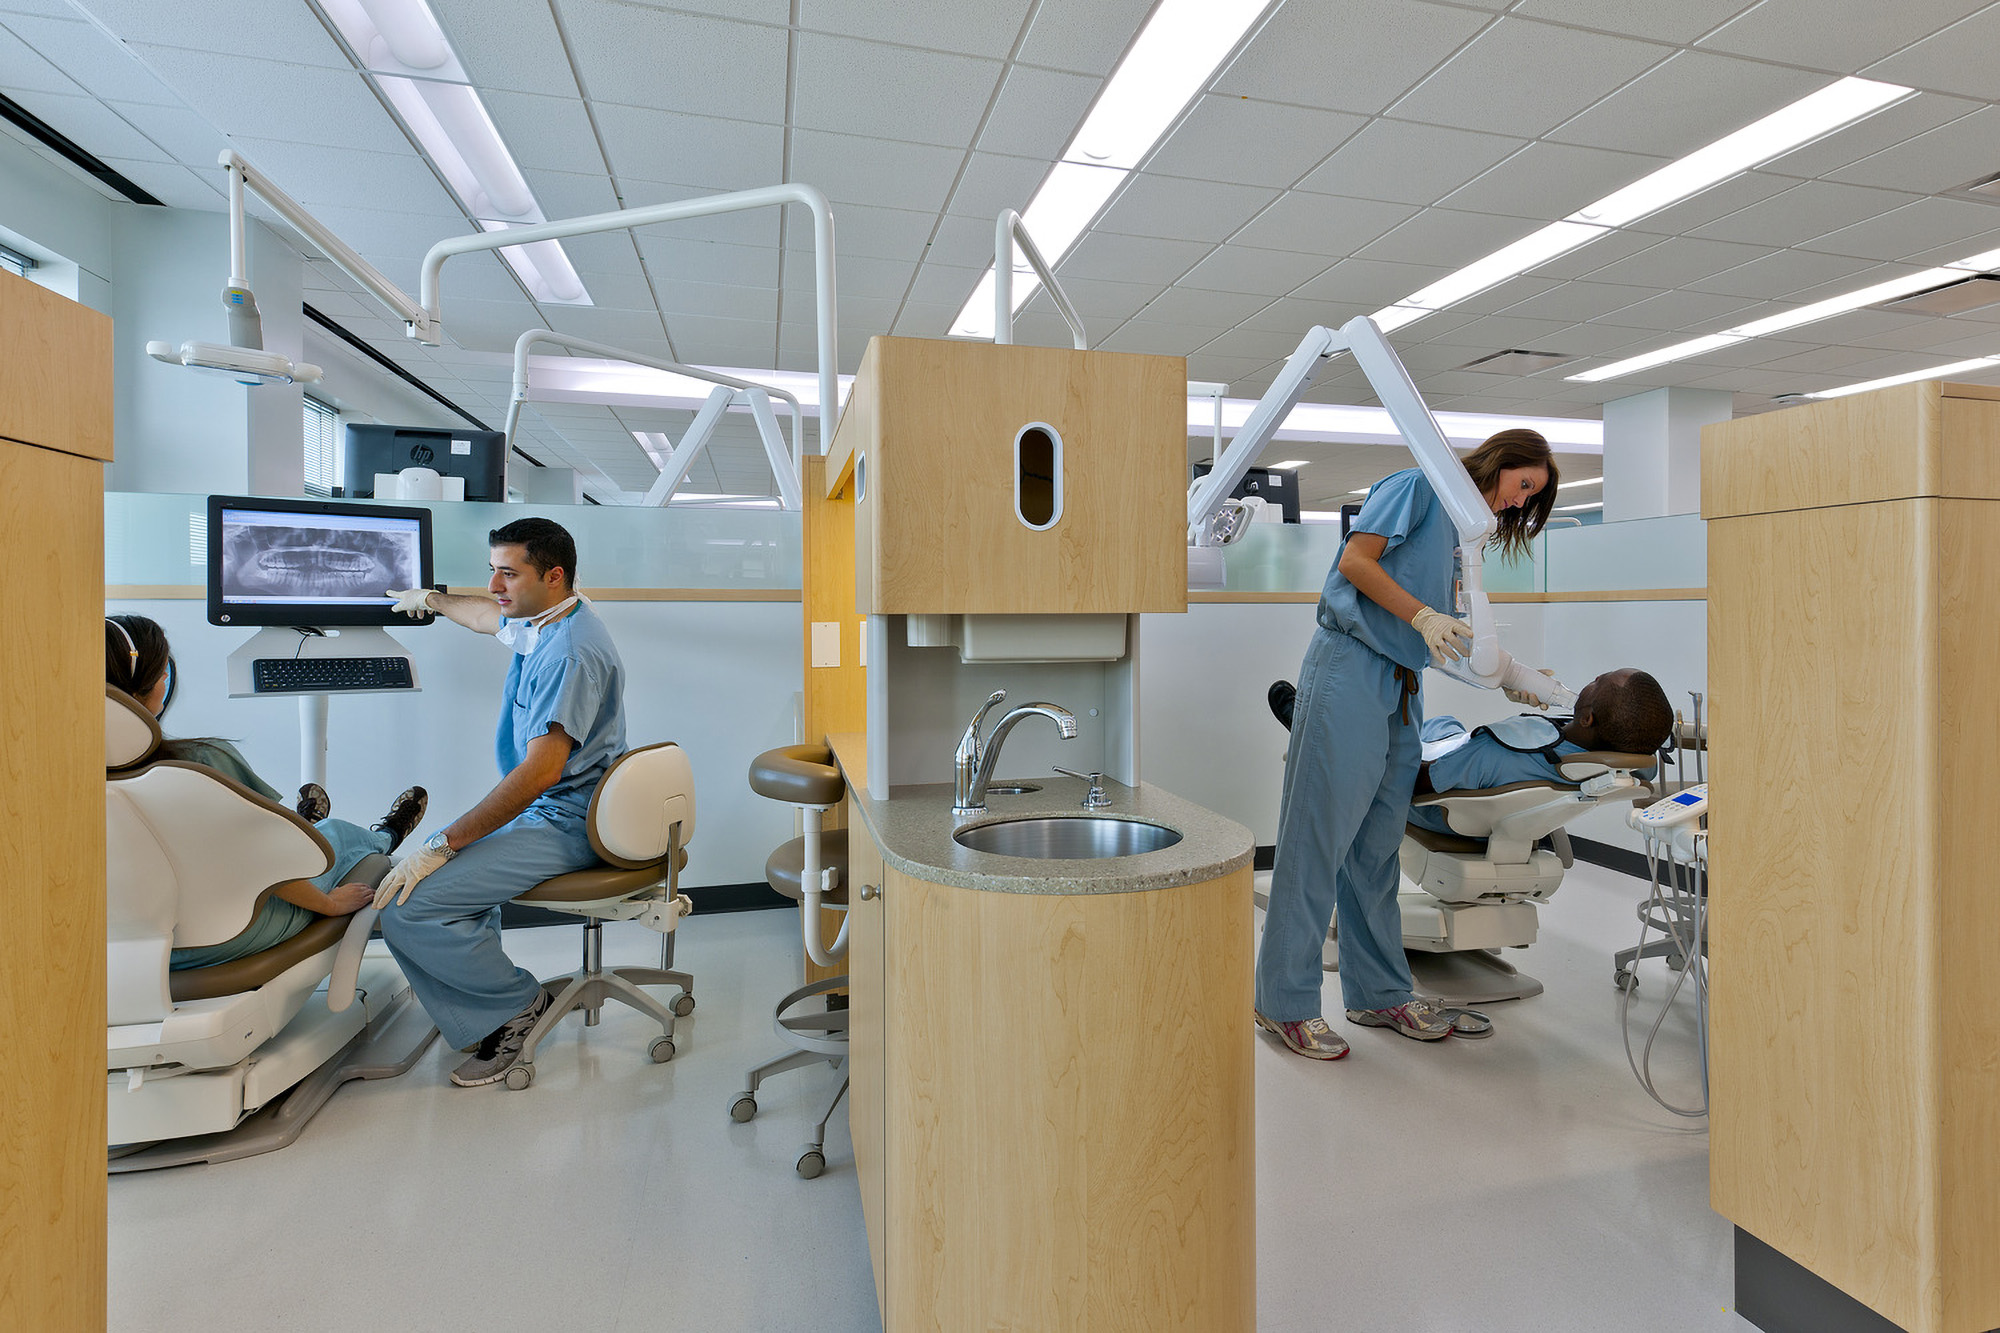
(812, 871)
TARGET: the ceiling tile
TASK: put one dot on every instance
(1096, 300)
(275, 100)
(1446, 236)
(1251, 143)
(1680, 22)
(1321, 224)
(335, 177)
(1718, 201)
(1551, 180)
(859, 279)
(699, 151)
(1688, 102)
(507, 45)
(97, 127)
(1811, 209)
(1781, 273)
(553, 133)
(570, 194)
(1109, 256)
(1957, 60)
(1948, 156)
(171, 183)
(1525, 78)
(1256, 344)
(677, 62)
(1202, 309)
(890, 233)
(1242, 268)
(1803, 32)
(183, 135)
(986, 29)
(22, 68)
(1224, 369)
(1180, 209)
(1677, 262)
(1403, 41)
(1136, 335)
(1885, 129)
(224, 29)
(756, 226)
(991, 182)
(1578, 301)
(1369, 281)
(1598, 253)
(618, 328)
(1928, 222)
(1293, 315)
(1036, 113)
(1694, 312)
(923, 319)
(1503, 331)
(944, 285)
(1409, 163)
(1086, 36)
(889, 92)
(875, 171)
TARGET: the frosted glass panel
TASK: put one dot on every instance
(1641, 553)
(1281, 557)
(161, 540)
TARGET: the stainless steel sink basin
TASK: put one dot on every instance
(1085, 838)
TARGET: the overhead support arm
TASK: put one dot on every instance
(427, 328)
(1008, 232)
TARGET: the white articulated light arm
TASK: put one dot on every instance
(729, 390)
(1489, 665)
(430, 329)
(1009, 231)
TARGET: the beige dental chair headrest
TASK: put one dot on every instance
(130, 732)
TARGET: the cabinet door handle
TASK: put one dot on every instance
(870, 891)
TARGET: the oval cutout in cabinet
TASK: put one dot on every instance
(1038, 475)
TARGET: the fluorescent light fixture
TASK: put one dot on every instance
(1342, 423)
(1580, 481)
(1811, 117)
(1935, 372)
(1289, 464)
(1317, 516)
(1577, 509)
(1840, 305)
(657, 446)
(1162, 71)
(1678, 352)
(395, 37)
(543, 268)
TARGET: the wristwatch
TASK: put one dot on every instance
(436, 843)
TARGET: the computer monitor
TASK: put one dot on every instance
(1269, 484)
(312, 562)
(479, 456)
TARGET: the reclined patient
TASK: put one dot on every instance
(138, 661)
(1623, 710)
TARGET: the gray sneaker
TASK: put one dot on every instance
(500, 1050)
(1417, 1017)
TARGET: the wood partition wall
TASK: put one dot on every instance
(55, 437)
(1853, 651)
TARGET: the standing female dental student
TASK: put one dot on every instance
(1352, 764)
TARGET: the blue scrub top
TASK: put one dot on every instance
(1485, 761)
(573, 678)
(1422, 539)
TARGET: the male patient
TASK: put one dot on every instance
(1624, 711)
(562, 723)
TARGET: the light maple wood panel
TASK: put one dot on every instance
(1971, 463)
(835, 698)
(1042, 1172)
(935, 422)
(52, 1119)
(55, 371)
(865, 1038)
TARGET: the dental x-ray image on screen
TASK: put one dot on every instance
(292, 558)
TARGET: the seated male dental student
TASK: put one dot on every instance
(562, 723)
(1624, 711)
(138, 661)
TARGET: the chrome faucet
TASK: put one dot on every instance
(973, 761)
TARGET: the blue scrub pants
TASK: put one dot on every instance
(446, 938)
(1349, 776)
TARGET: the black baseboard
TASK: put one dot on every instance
(1604, 854)
(707, 899)
(1263, 858)
(1780, 1295)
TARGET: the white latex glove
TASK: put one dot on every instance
(404, 876)
(411, 601)
(1529, 699)
(1445, 637)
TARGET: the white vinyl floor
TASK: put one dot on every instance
(1519, 1183)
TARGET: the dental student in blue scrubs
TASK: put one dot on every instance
(1352, 764)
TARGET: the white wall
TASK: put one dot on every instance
(48, 207)
(718, 677)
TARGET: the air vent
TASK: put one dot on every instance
(1986, 189)
(1517, 362)
(1954, 298)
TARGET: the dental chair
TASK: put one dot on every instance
(812, 871)
(641, 819)
(1478, 887)
(215, 1063)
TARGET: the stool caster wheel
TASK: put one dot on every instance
(743, 1107)
(1625, 981)
(662, 1050)
(683, 1005)
(520, 1076)
(811, 1163)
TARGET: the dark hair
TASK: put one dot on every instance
(1519, 447)
(136, 655)
(1637, 719)
(547, 542)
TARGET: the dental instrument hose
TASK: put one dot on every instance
(1692, 961)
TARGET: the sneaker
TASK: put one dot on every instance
(405, 813)
(1281, 697)
(500, 1050)
(1312, 1038)
(1418, 1017)
(313, 803)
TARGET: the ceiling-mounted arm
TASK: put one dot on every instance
(769, 196)
(1008, 232)
(783, 467)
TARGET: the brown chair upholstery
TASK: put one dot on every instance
(785, 869)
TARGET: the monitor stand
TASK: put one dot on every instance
(284, 641)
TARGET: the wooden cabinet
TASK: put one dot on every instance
(55, 434)
(1052, 1104)
(958, 511)
(1854, 922)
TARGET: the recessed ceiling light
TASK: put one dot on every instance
(1577, 509)
(1580, 481)
(1166, 67)
(1811, 117)
(1678, 352)
(1517, 362)
(1290, 464)
(1935, 372)
(1954, 298)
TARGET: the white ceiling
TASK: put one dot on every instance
(1351, 153)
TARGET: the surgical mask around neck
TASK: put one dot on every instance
(523, 635)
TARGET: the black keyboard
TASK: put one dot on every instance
(316, 675)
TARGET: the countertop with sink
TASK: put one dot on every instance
(915, 829)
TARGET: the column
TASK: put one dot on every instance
(1652, 450)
